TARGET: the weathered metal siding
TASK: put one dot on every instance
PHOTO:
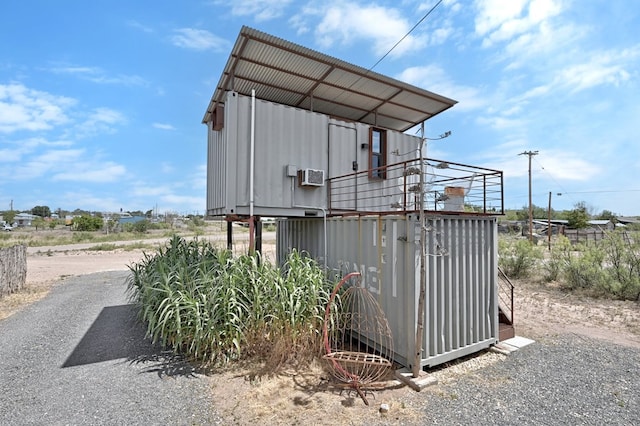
(291, 138)
(461, 315)
(284, 136)
(216, 171)
(462, 307)
(301, 234)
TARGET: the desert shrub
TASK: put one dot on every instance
(584, 268)
(202, 301)
(517, 258)
(87, 223)
(621, 267)
(558, 260)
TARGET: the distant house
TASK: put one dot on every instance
(24, 219)
(624, 220)
(602, 224)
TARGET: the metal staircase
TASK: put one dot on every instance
(505, 307)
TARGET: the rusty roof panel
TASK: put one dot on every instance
(290, 74)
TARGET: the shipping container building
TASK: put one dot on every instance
(331, 149)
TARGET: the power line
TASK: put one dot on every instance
(406, 35)
(551, 176)
(395, 45)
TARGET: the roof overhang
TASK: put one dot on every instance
(286, 73)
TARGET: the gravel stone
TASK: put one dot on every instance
(566, 379)
(79, 356)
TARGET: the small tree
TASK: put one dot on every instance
(38, 223)
(578, 218)
(607, 215)
(42, 211)
(9, 215)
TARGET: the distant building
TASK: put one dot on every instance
(24, 219)
(131, 219)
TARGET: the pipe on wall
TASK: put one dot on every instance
(251, 170)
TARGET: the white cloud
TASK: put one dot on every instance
(166, 167)
(163, 126)
(346, 23)
(260, 10)
(98, 75)
(604, 67)
(47, 163)
(139, 26)
(17, 149)
(95, 172)
(85, 199)
(27, 109)
(522, 29)
(557, 165)
(435, 79)
(99, 121)
(499, 20)
(195, 39)
(182, 202)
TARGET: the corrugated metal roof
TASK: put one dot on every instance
(290, 74)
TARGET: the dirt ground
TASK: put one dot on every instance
(308, 396)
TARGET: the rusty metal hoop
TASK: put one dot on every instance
(357, 337)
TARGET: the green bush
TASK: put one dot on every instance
(558, 260)
(584, 268)
(517, 258)
(622, 270)
(87, 223)
(202, 301)
(610, 268)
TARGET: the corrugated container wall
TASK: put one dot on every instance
(461, 315)
(287, 140)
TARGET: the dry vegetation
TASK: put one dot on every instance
(305, 395)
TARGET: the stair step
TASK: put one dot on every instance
(506, 331)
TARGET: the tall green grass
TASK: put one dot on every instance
(213, 307)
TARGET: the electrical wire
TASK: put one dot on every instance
(406, 35)
(396, 45)
(563, 192)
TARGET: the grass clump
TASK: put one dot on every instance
(203, 302)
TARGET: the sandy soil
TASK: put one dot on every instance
(307, 396)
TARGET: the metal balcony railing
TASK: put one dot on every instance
(448, 188)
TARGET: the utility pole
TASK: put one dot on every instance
(530, 154)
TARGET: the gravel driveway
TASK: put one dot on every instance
(79, 357)
(559, 380)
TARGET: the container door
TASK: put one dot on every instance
(343, 166)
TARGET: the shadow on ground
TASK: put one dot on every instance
(118, 334)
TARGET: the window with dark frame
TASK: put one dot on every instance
(377, 153)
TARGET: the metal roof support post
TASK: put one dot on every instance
(251, 171)
(416, 368)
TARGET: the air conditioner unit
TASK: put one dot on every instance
(311, 177)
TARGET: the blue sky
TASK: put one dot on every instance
(101, 102)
